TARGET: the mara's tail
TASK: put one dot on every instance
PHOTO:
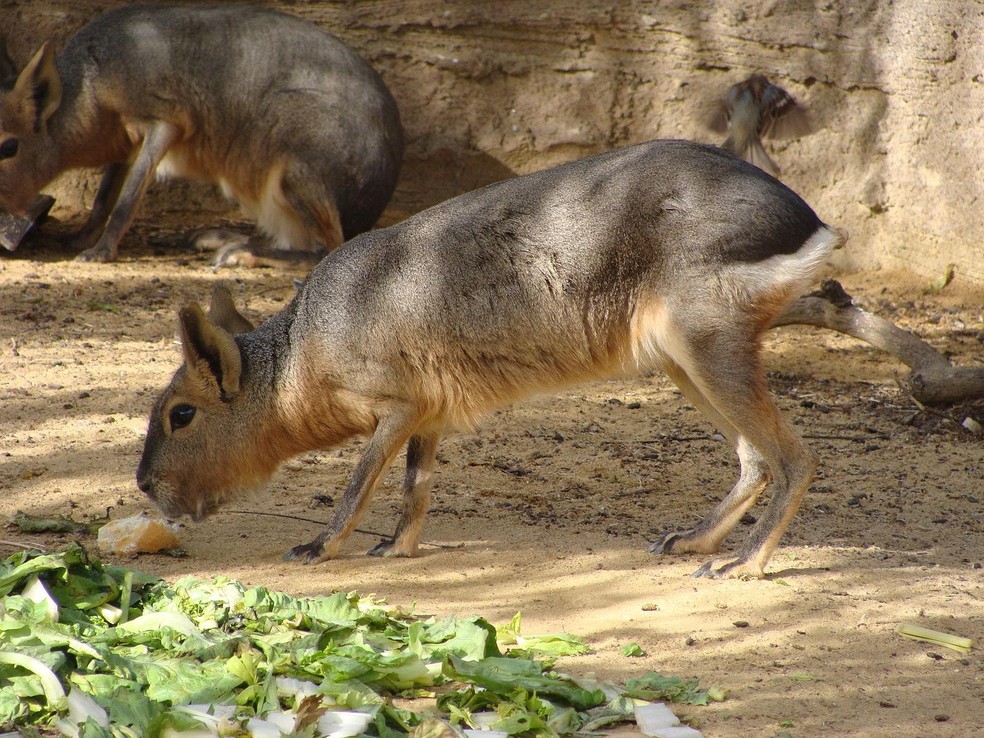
(793, 273)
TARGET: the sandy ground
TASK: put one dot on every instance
(548, 509)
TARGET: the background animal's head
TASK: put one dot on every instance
(205, 441)
(29, 156)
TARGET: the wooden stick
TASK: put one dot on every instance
(933, 380)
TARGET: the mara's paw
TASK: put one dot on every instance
(666, 543)
(97, 255)
(235, 255)
(737, 569)
(387, 548)
(308, 553)
(215, 239)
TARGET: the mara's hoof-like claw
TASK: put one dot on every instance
(388, 548)
(96, 255)
(665, 544)
(736, 569)
(307, 553)
(382, 548)
(705, 570)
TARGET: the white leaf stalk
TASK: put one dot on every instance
(54, 693)
(35, 591)
(936, 637)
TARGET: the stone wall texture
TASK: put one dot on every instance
(489, 89)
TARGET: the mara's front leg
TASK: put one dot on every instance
(421, 453)
(160, 136)
(390, 435)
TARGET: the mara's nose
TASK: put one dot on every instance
(145, 486)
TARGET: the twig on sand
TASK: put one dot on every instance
(933, 379)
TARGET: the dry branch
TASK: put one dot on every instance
(933, 379)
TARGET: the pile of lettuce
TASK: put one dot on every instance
(93, 650)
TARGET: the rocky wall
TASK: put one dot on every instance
(491, 89)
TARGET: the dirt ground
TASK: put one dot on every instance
(548, 509)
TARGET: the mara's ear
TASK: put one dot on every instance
(223, 313)
(210, 351)
(37, 92)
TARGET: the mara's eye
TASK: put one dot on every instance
(8, 149)
(181, 415)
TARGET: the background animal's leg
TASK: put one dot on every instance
(391, 433)
(305, 227)
(107, 194)
(159, 138)
(317, 212)
(708, 535)
(256, 251)
(421, 452)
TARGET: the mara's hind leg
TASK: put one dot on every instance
(310, 207)
(708, 535)
(421, 453)
(299, 218)
(157, 139)
(724, 368)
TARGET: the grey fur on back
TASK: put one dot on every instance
(469, 280)
(492, 236)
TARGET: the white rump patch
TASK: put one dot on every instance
(794, 271)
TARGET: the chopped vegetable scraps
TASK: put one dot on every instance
(99, 651)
